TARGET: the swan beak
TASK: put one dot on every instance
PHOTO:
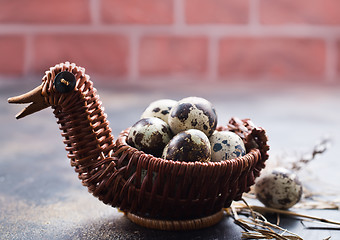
(34, 97)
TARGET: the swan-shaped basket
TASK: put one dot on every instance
(153, 192)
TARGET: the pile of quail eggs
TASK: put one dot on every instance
(184, 131)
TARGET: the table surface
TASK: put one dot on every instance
(42, 198)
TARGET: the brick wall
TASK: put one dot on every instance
(202, 40)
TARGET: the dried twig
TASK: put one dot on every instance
(256, 225)
(318, 148)
(294, 214)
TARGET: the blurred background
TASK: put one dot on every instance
(276, 62)
(134, 41)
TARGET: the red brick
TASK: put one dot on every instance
(302, 11)
(276, 58)
(217, 11)
(12, 55)
(137, 11)
(42, 11)
(168, 54)
(101, 54)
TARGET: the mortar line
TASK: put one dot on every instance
(254, 18)
(212, 61)
(331, 60)
(133, 59)
(187, 30)
(179, 14)
(95, 12)
(28, 55)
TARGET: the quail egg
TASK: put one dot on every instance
(160, 109)
(188, 146)
(149, 135)
(226, 145)
(279, 188)
(193, 113)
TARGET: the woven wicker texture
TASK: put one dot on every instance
(177, 225)
(138, 183)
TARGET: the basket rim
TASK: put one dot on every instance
(121, 141)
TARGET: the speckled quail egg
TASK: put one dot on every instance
(193, 113)
(149, 135)
(279, 188)
(188, 146)
(226, 145)
(160, 109)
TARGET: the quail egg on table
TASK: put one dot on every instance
(188, 146)
(160, 109)
(226, 145)
(279, 188)
(193, 113)
(149, 135)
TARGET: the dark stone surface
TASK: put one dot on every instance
(42, 198)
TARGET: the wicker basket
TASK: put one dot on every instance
(172, 195)
(154, 192)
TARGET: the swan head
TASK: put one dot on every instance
(59, 83)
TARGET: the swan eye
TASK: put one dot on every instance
(64, 82)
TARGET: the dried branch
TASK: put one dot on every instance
(290, 213)
(318, 148)
(256, 225)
